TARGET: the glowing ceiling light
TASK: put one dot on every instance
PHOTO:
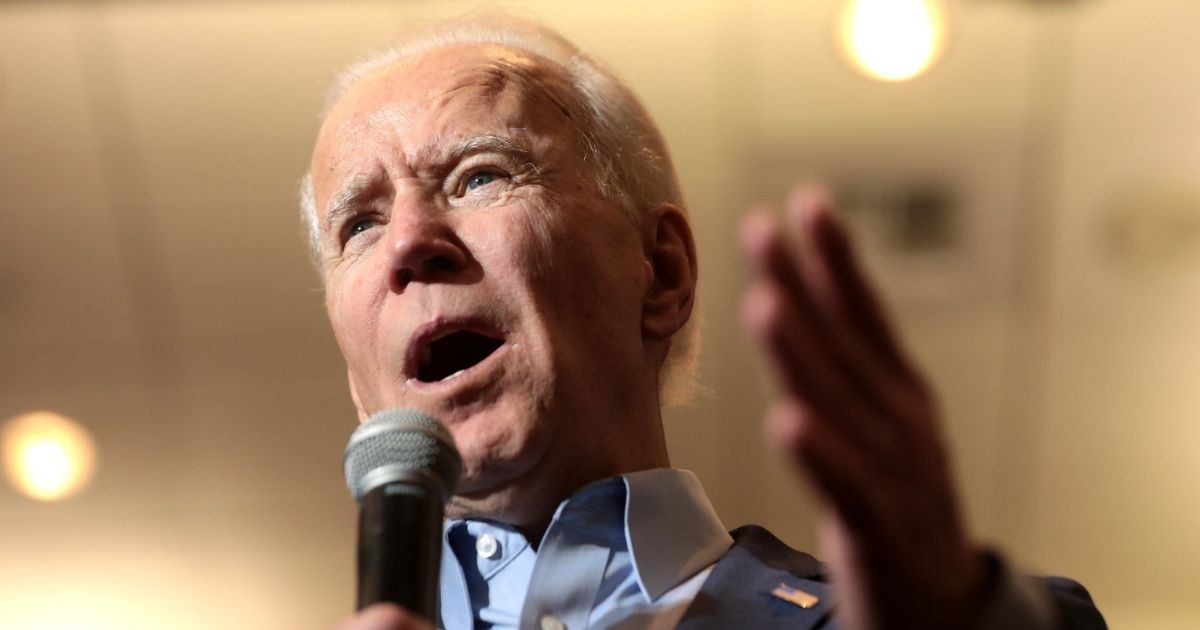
(892, 40)
(47, 456)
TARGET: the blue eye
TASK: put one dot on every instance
(481, 178)
(358, 227)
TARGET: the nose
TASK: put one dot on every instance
(422, 247)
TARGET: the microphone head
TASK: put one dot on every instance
(401, 444)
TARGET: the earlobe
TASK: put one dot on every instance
(362, 415)
(670, 256)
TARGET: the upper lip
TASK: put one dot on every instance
(436, 329)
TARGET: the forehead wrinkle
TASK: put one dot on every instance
(527, 82)
(381, 110)
(396, 114)
(509, 83)
(513, 125)
(521, 94)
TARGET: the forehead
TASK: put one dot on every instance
(447, 93)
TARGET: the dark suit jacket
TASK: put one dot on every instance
(738, 592)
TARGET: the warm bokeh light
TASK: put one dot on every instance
(892, 40)
(47, 456)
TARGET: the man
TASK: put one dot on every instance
(504, 246)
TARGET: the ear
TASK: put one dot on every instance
(670, 265)
(362, 415)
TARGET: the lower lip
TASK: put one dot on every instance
(472, 376)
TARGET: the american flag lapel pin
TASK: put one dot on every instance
(795, 596)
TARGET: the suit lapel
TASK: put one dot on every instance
(738, 593)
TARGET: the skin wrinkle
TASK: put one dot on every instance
(522, 86)
(365, 189)
(360, 191)
(529, 81)
(520, 69)
(348, 203)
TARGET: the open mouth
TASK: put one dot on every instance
(452, 354)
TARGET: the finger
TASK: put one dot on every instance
(844, 475)
(762, 243)
(819, 355)
(385, 616)
(779, 313)
(801, 367)
(850, 294)
(855, 328)
(795, 344)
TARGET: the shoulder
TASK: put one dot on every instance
(759, 560)
(756, 543)
(761, 583)
(1073, 604)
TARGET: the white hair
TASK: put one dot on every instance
(627, 156)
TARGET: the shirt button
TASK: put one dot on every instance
(550, 622)
(487, 546)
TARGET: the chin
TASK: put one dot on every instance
(504, 500)
(496, 449)
(504, 480)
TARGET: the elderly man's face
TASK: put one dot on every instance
(474, 271)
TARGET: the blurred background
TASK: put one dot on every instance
(1028, 199)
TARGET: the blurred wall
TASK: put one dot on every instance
(153, 283)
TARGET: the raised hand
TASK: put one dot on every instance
(855, 416)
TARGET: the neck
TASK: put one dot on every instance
(529, 502)
(535, 529)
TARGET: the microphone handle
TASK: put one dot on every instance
(400, 547)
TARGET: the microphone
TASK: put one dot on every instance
(401, 466)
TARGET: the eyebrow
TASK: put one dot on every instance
(468, 145)
(346, 199)
(362, 187)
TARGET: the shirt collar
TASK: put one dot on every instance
(671, 529)
(662, 517)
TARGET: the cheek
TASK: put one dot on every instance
(350, 317)
(595, 284)
(516, 252)
(527, 240)
(602, 266)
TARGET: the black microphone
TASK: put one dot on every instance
(401, 467)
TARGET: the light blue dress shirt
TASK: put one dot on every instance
(628, 552)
